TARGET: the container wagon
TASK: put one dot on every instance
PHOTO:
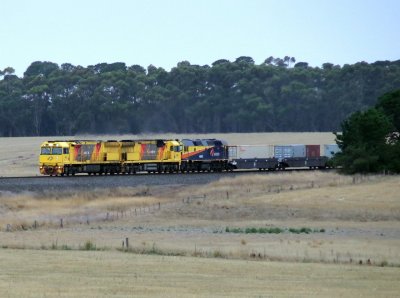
(252, 157)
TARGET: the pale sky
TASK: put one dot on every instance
(163, 33)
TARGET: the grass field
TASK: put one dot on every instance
(235, 237)
(35, 273)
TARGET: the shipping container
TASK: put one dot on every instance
(288, 151)
(313, 150)
(330, 150)
(251, 151)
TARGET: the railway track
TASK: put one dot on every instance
(86, 182)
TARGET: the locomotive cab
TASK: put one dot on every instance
(53, 156)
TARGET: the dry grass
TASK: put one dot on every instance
(47, 208)
(27, 273)
(314, 196)
(361, 218)
(25, 161)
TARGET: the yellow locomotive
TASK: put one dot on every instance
(79, 156)
(151, 156)
(109, 157)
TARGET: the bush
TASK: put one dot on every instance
(89, 245)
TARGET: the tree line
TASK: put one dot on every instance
(228, 96)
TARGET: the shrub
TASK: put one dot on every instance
(89, 245)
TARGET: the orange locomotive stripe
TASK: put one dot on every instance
(161, 153)
(190, 154)
(142, 150)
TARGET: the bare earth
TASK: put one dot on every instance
(353, 248)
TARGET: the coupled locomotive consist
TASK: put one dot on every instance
(93, 157)
(132, 156)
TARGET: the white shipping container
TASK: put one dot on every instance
(330, 150)
(299, 150)
(288, 151)
(251, 151)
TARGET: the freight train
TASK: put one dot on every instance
(94, 157)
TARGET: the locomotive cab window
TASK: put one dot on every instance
(57, 151)
(45, 151)
(65, 151)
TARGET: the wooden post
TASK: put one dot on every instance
(35, 224)
(159, 205)
(61, 223)
(227, 195)
(127, 242)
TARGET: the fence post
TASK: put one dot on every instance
(127, 242)
(61, 223)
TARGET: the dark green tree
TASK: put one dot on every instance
(369, 139)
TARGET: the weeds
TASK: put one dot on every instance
(89, 245)
(152, 251)
(273, 230)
